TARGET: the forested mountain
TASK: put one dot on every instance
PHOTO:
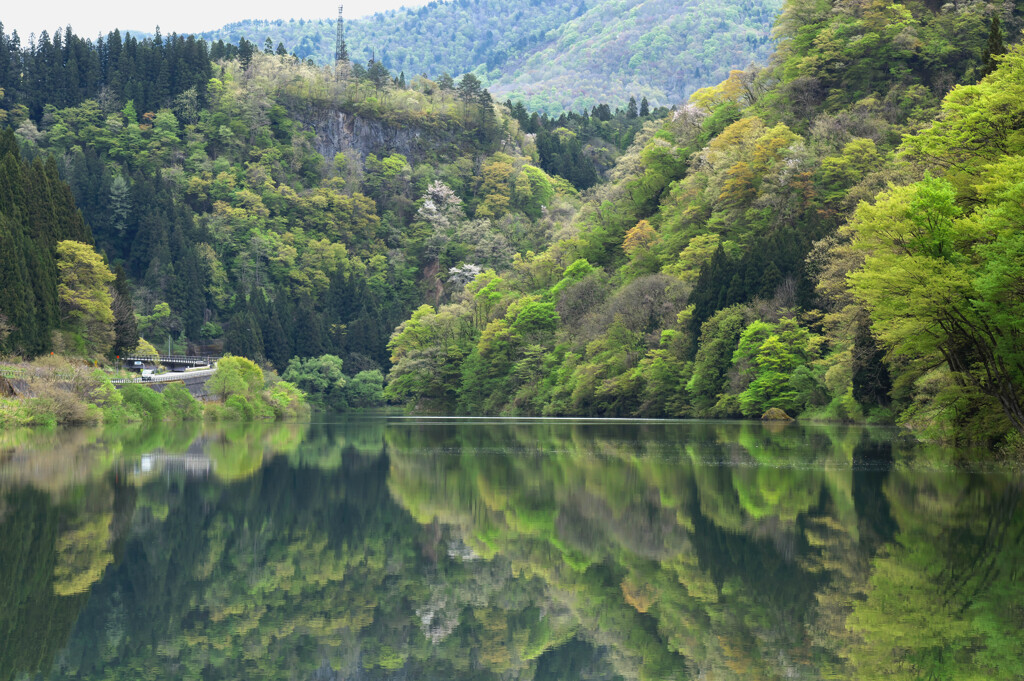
(65, 70)
(36, 212)
(274, 209)
(557, 55)
(742, 258)
(830, 234)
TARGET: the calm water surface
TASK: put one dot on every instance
(393, 548)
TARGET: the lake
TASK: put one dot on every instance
(384, 547)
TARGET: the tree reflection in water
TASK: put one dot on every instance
(402, 548)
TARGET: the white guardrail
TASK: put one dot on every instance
(165, 378)
(31, 375)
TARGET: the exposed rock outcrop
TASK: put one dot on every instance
(338, 131)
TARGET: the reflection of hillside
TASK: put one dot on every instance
(729, 566)
(299, 565)
(650, 553)
(63, 459)
(50, 460)
(35, 620)
(514, 552)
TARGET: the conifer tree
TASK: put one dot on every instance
(126, 329)
(994, 47)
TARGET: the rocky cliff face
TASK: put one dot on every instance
(338, 131)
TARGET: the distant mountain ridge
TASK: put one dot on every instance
(555, 55)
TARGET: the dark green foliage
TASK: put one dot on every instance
(571, 144)
(67, 70)
(994, 48)
(35, 622)
(562, 154)
(244, 337)
(631, 110)
(36, 212)
(126, 329)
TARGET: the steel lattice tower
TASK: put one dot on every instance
(340, 51)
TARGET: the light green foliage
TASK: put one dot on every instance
(322, 380)
(839, 173)
(775, 360)
(83, 292)
(698, 251)
(365, 389)
(145, 348)
(157, 324)
(535, 321)
(142, 403)
(574, 273)
(287, 401)
(235, 376)
(181, 406)
(533, 190)
(938, 285)
(554, 55)
(426, 350)
(976, 127)
(237, 408)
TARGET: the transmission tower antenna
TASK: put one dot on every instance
(340, 50)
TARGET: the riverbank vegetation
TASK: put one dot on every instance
(56, 390)
(245, 393)
(829, 234)
(327, 387)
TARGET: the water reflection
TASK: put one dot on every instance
(413, 548)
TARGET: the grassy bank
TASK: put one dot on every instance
(56, 390)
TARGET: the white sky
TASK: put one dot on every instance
(88, 19)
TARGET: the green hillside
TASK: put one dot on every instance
(563, 54)
(832, 235)
(270, 211)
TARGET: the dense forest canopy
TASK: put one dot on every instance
(554, 56)
(725, 268)
(746, 251)
(240, 216)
